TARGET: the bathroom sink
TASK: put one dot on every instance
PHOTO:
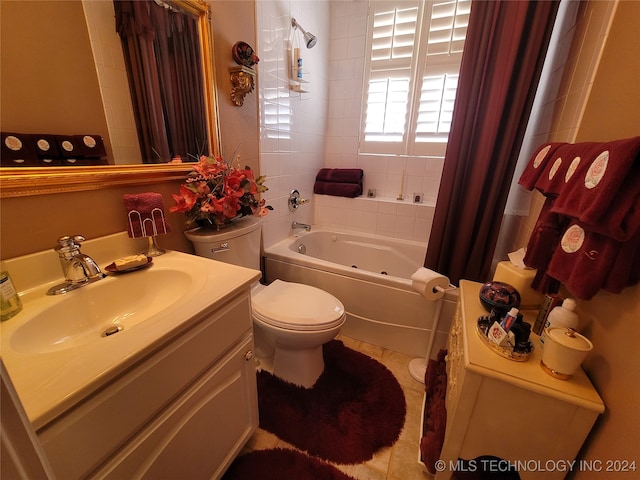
(58, 344)
(98, 311)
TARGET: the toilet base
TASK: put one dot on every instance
(301, 367)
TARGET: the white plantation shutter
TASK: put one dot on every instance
(393, 43)
(448, 26)
(415, 51)
(436, 107)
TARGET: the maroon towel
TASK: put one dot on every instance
(588, 233)
(435, 413)
(17, 150)
(145, 215)
(340, 175)
(587, 262)
(562, 165)
(604, 192)
(350, 190)
(537, 164)
(545, 237)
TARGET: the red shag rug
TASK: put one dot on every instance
(355, 408)
(281, 464)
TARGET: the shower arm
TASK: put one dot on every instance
(309, 38)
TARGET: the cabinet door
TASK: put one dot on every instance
(97, 428)
(200, 434)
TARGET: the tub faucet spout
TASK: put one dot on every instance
(295, 225)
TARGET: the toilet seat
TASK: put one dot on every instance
(294, 306)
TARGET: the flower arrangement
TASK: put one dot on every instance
(216, 192)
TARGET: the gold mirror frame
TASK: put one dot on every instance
(27, 181)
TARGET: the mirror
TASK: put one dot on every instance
(43, 106)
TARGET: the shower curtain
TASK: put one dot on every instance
(503, 56)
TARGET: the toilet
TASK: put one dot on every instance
(291, 320)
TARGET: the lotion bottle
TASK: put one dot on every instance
(10, 303)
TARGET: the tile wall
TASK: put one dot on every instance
(346, 62)
(301, 133)
(292, 124)
(585, 39)
(112, 77)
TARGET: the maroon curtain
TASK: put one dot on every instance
(163, 58)
(503, 56)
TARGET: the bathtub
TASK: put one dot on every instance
(370, 274)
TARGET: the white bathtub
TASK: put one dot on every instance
(370, 274)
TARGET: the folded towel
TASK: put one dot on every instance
(91, 146)
(145, 215)
(544, 238)
(583, 261)
(17, 150)
(537, 164)
(562, 166)
(588, 232)
(604, 192)
(350, 190)
(340, 175)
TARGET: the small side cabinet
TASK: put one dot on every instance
(507, 409)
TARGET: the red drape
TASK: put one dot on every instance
(162, 53)
(501, 64)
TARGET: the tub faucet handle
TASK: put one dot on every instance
(295, 201)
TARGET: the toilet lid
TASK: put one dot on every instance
(297, 307)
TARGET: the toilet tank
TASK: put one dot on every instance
(238, 243)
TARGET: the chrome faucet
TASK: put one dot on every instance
(295, 225)
(78, 269)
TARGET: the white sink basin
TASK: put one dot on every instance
(97, 311)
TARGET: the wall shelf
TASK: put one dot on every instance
(242, 82)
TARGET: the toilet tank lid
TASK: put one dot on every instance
(297, 304)
(237, 228)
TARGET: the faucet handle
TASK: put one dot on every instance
(69, 243)
(69, 240)
(295, 201)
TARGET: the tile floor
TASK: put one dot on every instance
(398, 462)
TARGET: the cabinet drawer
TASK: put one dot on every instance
(83, 437)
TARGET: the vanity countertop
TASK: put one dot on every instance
(529, 375)
(50, 382)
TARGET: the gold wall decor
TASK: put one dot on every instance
(242, 83)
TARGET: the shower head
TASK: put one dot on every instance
(309, 38)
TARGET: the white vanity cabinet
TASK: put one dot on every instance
(183, 411)
(507, 409)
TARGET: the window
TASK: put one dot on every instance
(414, 53)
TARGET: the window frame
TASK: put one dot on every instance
(421, 66)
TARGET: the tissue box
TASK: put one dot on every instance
(520, 279)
